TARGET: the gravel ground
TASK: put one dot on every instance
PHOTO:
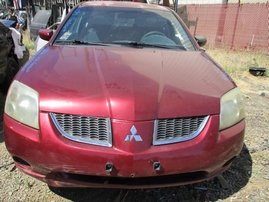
(247, 179)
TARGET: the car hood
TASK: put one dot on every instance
(126, 83)
(7, 23)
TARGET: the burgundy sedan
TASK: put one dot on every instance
(122, 96)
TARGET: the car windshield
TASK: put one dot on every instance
(135, 27)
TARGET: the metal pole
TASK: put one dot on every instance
(176, 5)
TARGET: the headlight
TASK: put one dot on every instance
(22, 104)
(232, 109)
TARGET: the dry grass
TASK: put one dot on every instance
(236, 61)
(28, 42)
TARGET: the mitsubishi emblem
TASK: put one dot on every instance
(134, 135)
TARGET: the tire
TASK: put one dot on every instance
(12, 69)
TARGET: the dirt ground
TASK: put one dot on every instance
(247, 179)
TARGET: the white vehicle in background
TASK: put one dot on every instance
(13, 53)
(39, 43)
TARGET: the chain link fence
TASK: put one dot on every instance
(235, 26)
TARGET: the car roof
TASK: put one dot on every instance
(123, 4)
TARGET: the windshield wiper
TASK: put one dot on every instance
(79, 42)
(141, 45)
(126, 43)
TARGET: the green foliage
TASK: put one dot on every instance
(266, 73)
(30, 46)
(255, 63)
(27, 184)
(29, 43)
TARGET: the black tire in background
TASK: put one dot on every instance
(12, 69)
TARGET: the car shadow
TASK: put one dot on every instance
(237, 177)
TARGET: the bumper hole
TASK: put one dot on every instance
(20, 161)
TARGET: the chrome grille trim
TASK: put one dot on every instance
(85, 129)
(167, 131)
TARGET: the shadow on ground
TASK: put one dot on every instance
(237, 177)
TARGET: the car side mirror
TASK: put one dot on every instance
(201, 40)
(45, 34)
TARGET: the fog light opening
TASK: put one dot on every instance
(20, 161)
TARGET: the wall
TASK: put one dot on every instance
(248, 1)
(220, 1)
(244, 26)
(201, 1)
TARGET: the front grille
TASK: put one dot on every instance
(90, 130)
(168, 131)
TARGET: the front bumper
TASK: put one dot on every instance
(50, 157)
